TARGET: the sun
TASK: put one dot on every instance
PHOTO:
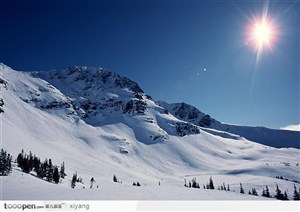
(262, 34)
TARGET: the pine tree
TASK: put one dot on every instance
(36, 164)
(263, 193)
(30, 161)
(267, 192)
(20, 159)
(279, 195)
(194, 183)
(62, 170)
(138, 184)
(56, 175)
(115, 179)
(49, 172)
(45, 169)
(254, 192)
(241, 189)
(74, 179)
(211, 183)
(228, 189)
(296, 194)
(5, 163)
(25, 165)
(285, 196)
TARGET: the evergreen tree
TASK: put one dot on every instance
(20, 158)
(211, 183)
(207, 186)
(36, 164)
(254, 192)
(224, 187)
(296, 194)
(25, 165)
(279, 195)
(241, 189)
(5, 163)
(62, 170)
(285, 196)
(228, 189)
(56, 175)
(115, 179)
(138, 184)
(74, 179)
(49, 171)
(45, 169)
(30, 161)
(263, 193)
(267, 192)
(194, 183)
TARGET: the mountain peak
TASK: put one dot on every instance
(92, 76)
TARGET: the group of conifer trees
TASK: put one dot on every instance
(195, 184)
(265, 192)
(278, 194)
(44, 170)
(5, 163)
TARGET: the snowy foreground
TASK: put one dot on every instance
(13, 188)
(129, 135)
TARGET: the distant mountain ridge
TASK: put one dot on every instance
(270, 137)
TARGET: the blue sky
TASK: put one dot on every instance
(178, 51)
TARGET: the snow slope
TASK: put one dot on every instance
(101, 124)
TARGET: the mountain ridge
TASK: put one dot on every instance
(272, 137)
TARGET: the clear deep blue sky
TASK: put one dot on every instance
(166, 47)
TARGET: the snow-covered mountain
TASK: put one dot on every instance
(271, 137)
(100, 124)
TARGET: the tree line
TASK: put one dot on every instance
(5, 163)
(44, 170)
(265, 192)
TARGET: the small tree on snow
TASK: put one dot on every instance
(296, 194)
(241, 189)
(279, 195)
(285, 196)
(267, 192)
(211, 183)
(115, 179)
(56, 175)
(263, 193)
(62, 170)
(254, 192)
(74, 179)
(5, 163)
